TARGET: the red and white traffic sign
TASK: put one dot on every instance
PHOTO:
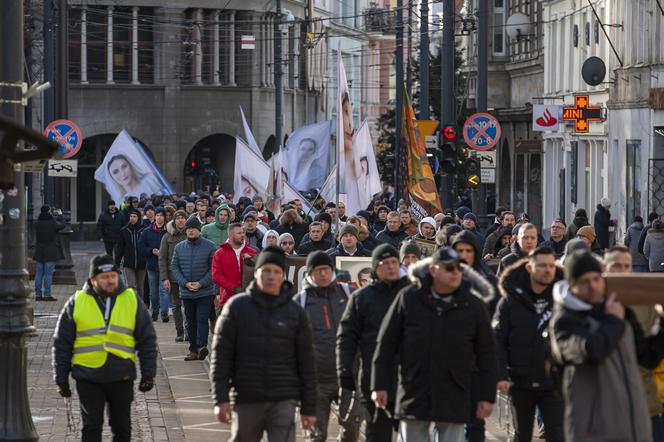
(68, 136)
(481, 131)
(248, 42)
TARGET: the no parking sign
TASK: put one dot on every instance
(481, 131)
(68, 136)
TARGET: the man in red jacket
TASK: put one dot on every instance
(228, 262)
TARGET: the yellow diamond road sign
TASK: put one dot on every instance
(474, 180)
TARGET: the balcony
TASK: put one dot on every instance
(379, 19)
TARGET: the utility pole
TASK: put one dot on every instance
(424, 60)
(399, 102)
(479, 194)
(61, 93)
(15, 418)
(448, 94)
(409, 53)
(278, 88)
(49, 94)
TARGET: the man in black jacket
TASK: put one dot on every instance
(438, 330)
(349, 244)
(96, 340)
(324, 300)
(526, 241)
(316, 240)
(393, 232)
(108, 226)
(522, 316)
(558, 237)
(263, 350)
(358, 332)
(127, 253)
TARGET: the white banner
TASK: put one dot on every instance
(547, 117)
(307, 156)
(127, 170)
(365, 178)
(344, 124)
(249, 136)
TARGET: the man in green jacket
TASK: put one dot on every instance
(217, 232)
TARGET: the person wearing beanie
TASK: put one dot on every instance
(175, 233)
(287, 244)
(393, 232)
(315, 240)
(409, 254)
(209, 215)
(326, 221)
(263, 351)
(358, 332)
(471, 224)
(521, 316)
(103, 334)
(437, 310)
(639, 262)
(253, 235)
(149, 212)
(426, 229)
(580, 220)
(594, 341)
(587, 233)
(349, 244)
(653, 247)
(127, 253)
(324, 299)
(46, 253)
(192, 269)
(380, 220)
(109, 223)
(148, 246)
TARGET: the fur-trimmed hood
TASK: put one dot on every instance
(514, 277)
(481, 288)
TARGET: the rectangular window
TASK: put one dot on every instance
(96, 42)
(146, 45)
(74, 31)
(122, 30)
(632, 182)
(499, 27)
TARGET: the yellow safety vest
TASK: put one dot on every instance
(94, 340)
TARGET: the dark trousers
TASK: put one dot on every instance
(197, 312)
(110, 248)
(551, 407)
(475, 427)
(94, 397)
(379, 426)
(176, 305)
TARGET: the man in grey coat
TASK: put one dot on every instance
(192, 269)
(600, 345)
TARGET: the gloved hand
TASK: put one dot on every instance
(64, 390)
(145, 385)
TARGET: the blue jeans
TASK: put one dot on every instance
(197, 312)
(44, 275)
(657, 428)
(159, 297)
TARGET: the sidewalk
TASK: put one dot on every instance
(153, 414)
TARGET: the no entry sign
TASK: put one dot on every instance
(68, 136)
(481, 131)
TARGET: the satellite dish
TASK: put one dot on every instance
(593, 71)
(517, 26)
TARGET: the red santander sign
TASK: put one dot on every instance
(546, 117)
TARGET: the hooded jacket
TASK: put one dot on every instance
(479, 265)
(602, 222)
(267, 235)
(518, 326)
(115, 369)
(358, 332)
(216, 231)
(263, 350)
(151, 239)
(578, 222)
(653, 249)
(602, 388)
(420, 235)
(166, 249)
(632, 241)
(192, 262)
(325, 307)
(438, 345)
(127, 247)
(226, 272)
(514, 255)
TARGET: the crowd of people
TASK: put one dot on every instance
(421, 344)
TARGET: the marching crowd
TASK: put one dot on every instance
(419, 345)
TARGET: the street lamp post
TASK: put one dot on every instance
(15, 418)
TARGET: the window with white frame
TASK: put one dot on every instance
(499, 27)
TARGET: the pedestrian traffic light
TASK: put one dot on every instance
(448, 149)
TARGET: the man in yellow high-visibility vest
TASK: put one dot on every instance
(100, 330)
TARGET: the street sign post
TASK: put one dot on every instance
(431, 141)
(488, 176)
(68, 136)
(487, 159)
(481, 131)
(63, 168)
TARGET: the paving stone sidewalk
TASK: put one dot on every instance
(154, 417)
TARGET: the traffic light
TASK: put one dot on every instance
(472, 169)
(389, 166)
(448, 148)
